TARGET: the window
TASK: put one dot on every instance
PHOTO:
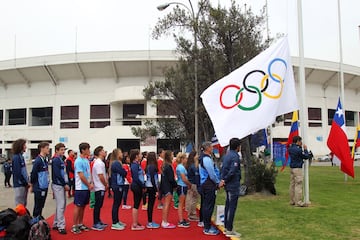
(1, 117)
(69, 125)
(41, 116)
(350, 118)
(331, 113)
(130, 111)
(16, 116)
(69, 112)
(314, 116)
(99, 124)
(100, 112)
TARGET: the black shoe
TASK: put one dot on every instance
(62, 231)
(55, 228)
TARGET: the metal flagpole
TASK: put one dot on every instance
(303, 109)
(342, 86)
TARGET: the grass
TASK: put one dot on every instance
(333, 214)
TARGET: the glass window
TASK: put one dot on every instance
(69, 112)
(314, 113)
(350, 118)
(130, 111)
(99, 124)
(17, 116)
(99, 111)
(41, 116)
(69, 125)
(1, 117)
(331, 113)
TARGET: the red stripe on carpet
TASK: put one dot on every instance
(194, 232)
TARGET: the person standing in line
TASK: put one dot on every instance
(70, 161)
(175, 194)
(209, 182)
(152, 186)
(39, 178)
(128, 181)
(60, 185)
(107, 168)
(137, 187)
(183, 184)
(7, 172)
(20, 175)
(118, 174)
(83, 186)
(143, 167)
(167, 186)
(297, 155)
(192, 196)
(161, 156)
(100, 185)
(231, 175)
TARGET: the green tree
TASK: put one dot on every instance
(228, 38)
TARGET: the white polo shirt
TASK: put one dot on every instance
(98, 168)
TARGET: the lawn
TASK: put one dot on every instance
(333, 214)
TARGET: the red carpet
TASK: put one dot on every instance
(194, 232)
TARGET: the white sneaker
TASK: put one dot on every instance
(200, 224)
(232, 234)
(126, 207)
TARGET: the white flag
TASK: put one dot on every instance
(250, 98)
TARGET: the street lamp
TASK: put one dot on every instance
(195, 28)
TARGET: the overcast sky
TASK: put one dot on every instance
(44, 27)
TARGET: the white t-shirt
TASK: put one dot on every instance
(98, 168)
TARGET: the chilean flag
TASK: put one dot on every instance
(294, 131)
(216, 145)
(338, 141)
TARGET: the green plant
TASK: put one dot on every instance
(263, 175)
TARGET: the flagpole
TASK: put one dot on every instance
(303, 109)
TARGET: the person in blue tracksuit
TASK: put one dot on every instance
(209, 182)
(137, 186)
(39, 178)
(60, 184)
(7, 172)
(20, 175)
(231, 175)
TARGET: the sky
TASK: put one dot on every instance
(41, 27)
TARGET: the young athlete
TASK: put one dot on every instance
(152, 184)
(128, 180)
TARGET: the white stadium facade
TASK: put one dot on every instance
(97, 97)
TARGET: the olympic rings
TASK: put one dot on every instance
(264, 84)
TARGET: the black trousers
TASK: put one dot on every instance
(118, 192)
(7, 179)
(230, 208)
(39, 202)
(99, 201)
(208, 205)
(151, 193)
(125, 193)
(201, 216)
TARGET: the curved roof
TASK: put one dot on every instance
(118, 64)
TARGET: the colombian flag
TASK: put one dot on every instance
(294, 131)
(356, 141)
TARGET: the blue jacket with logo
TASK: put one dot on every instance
(231, 172)
(58, 173)
(20, 174)
(209, 174)
(40, 174)
(137, 175)
(297, 155)
(118, 174)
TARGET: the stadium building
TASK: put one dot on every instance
(97, 97)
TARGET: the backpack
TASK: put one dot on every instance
(7, 216)
(40, 230)
(19, 229)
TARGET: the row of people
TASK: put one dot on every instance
(203, 177)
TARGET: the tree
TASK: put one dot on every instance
(228, 38)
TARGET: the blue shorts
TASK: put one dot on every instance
(181, 190)
(81, 198)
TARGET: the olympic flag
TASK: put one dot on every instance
(250, 98)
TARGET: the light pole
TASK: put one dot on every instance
(195, 28)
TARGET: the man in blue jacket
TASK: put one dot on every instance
(60, 184)
(209, 182)
(297, 155)
(39, 178)
(231, 175)
(20, 174)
